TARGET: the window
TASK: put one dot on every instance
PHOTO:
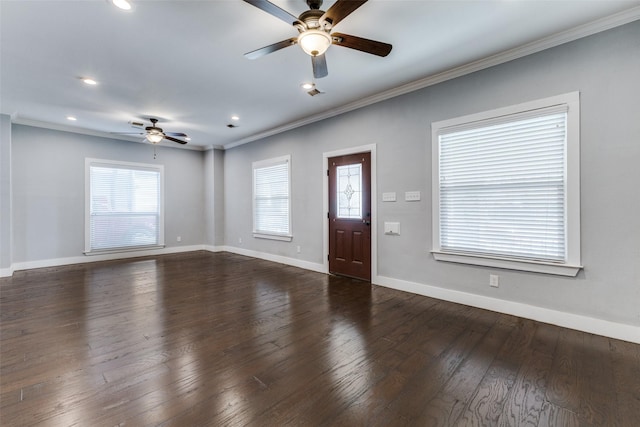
(271, 199)
(124, 207)
(506, 187)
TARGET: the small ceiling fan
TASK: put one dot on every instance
(315, 36)
(153, 133)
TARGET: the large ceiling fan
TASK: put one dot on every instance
(153, 133)
(315, 36)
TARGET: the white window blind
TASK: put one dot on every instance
(504, 190)
(271, 198)
(124, 206)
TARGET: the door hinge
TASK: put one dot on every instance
(327, 172)
(327, 214)
(327, 257)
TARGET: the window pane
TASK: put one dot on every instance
(271, 198)
(124, 207)
(502, 189)
(349, 187)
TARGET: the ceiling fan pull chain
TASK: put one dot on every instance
(154, 152)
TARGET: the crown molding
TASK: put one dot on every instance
(539, 45)
(83, 131)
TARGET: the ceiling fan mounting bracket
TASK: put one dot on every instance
(314, 4)
(311, 18)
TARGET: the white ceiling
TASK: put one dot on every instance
(182, 61)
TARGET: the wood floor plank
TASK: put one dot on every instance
(553, 416)
(626, 372)
(428, 380)
(448, 405)
(218, 339)
(525, 402)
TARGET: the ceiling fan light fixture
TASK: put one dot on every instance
(154, 137)
(314, 42)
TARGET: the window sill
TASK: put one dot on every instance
(280, 237)
(510, 264)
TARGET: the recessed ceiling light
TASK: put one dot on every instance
(307, 86)
(187, 138)
(73, 119)
(235, 118)
(122, 4)
(89, 81)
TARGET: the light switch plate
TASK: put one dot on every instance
(412, 196)
(389, 197)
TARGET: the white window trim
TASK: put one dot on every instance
(262, 164)
(572, 265)
(87, 204)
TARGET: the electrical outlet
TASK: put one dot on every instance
(494, 280)
(298, 249)
(239, 240)
(179, 239)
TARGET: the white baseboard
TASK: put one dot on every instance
(6, 272)
(307, 265)
(55, 262)
(578, 322)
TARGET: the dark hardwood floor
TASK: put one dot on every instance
(203, 339)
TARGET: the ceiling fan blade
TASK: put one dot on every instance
(340, 10)
(271, 48)
(319, 64)
(180, 134)
(274, 10)
(358, 43)
(128, 133)
(170, 138)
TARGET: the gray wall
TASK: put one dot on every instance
(209, 199)
(218, 193)
(48, 190)
(604, 68)
(214, 197)
(5, 192)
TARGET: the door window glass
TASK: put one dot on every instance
(349, 191)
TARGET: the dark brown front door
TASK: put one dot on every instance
(350, 215)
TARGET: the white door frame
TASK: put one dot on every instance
(370, 148)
